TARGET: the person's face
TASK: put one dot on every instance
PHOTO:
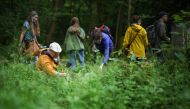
(35, 18)
(55, 54)
(165, 18)
(76, 24)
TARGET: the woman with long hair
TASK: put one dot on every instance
(30, 32)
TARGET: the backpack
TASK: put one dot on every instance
(151, 35)
(44, 51)
(105, 29)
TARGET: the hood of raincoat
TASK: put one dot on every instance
(136, 27)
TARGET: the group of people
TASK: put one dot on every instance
(135, 41)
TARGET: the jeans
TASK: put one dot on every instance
(73, 56)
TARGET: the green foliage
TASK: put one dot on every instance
(177, 18)
(90, 12)
(119, 85)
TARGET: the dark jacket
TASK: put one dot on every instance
(161, 32)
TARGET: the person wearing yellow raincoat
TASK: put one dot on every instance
(136, 36)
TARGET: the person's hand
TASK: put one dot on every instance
(76, 28)
(94, 49)
(73, 29)
(77, 31)
(168, 39)
(101, 66)
(62, 74)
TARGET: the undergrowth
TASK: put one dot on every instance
(120, 85)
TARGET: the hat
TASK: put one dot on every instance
(55, 47)
(135, 18)
(162, 13)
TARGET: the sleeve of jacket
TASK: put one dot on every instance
(26, 26)
(126, 38)
(48, 66)
(162, 31)
(145, 37)
(82, 34)
(71, 29)
(106, 51)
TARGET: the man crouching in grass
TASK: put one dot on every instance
(47, 61)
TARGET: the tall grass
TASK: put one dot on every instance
(119, 86)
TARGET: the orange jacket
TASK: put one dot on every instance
(45, 63)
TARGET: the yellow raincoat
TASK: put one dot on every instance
(46, 64)
(139, 43)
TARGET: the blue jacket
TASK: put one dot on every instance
(105, 47)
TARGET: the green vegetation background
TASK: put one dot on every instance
(121, 85)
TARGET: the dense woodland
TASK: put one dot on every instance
(55, 15)
(121, 84)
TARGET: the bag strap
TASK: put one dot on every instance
(128, 46)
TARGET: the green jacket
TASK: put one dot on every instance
(74, 41)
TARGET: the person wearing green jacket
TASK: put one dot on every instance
(74, 42)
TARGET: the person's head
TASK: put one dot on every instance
(55, 49)
(136, 19)
(33, 20)
(97, 35)
(74, 21)
(33, 17)
(105, 29)
(164, 16)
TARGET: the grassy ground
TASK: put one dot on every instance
(119, 85)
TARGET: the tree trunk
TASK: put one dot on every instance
(53, 22)
(72, 9)
(129, 12)
(118, 25)
(94, 11)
